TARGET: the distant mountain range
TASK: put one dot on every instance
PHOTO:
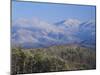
(35, 33)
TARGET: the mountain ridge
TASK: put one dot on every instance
(43, 34)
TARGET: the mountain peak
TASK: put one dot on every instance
(34, 32)
(72, 22)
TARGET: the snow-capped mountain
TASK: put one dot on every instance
(37, 33)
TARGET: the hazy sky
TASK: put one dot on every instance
(51, 12)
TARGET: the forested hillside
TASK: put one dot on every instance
(51, 59)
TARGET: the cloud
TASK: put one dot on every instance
(22, 23)
(28, 36)
(31, 30)
(36, 23)
(24, 36)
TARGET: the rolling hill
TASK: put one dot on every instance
(52, 59)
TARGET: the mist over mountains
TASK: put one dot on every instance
(35, 33)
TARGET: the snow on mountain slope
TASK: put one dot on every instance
(37, 33)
